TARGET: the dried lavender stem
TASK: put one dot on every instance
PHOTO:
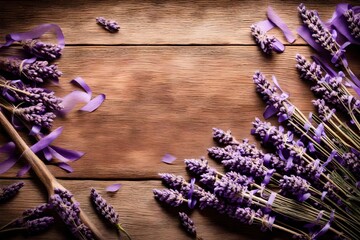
(14, 89)
(41, 170)
(121, 229)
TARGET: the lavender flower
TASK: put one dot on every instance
(294, 185)
(36, 115)
(69, 212)
(245, 215)
(208, 179)
(207, 199)
(224, 138)
(198, 166)
(38, 71)
(9, 191)
(41, 95)
(320, 34)
(42, 50)
(262, 39)
(110, 25)
(219, 153)
(308, 71)
(169, 196)
(187, 223)
(38, 211)
(229, 189)
(38, 225)
(103, 208)
(324, 112)
(354, 22)
(245, 165)
(351, 162)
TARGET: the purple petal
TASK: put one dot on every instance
(73, 98)
(47, 140)
(270, 111)
(23, 170)
(65, 154)
(94, 103)
(35, 130)
(273, 17)
(168, 158)
(8, 163)
(113, 188)
(81, 82)
(65, 166)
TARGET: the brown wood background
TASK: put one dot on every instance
(175, 70)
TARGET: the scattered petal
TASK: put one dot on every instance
(168, 158)
(65, 166)
(113, 188)
(8, 163)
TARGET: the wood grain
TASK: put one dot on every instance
(164, 100)
(155, 21)
(140, 214)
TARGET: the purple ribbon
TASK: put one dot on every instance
(325, 228)
(339, 53)
(270, 201)
(304, 197)
(35, 33)
(276, 20)
(191, 200)
(267, 177)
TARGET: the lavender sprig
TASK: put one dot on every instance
(42, 50)
(110, 25)
(38, 225)
(294, 185)
(169, 196)
(319, 32)
(103, 208)
(10, 191)
(198, 166)
(265, 42)
(36, 115)
(69, 212)
(187, 223)
(38, 71)
(354, 22)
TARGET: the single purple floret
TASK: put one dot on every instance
(110, 25)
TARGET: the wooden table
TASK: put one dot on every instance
(175, 70)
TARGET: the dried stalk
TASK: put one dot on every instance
(41, 170)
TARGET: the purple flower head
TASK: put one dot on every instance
(41, 95)
(245, 215)
(69, 212)
(354, 22)
(224, 138)
(294, 185)
(219, 153)
(38, 225)
(208, 179)
(318, 31)
(263, 87)
(249, 150)
(187, 223)
(169, 196)
(308, 71)
(38, 211)
(245, 165)
(110, 25)
(229, 189)
(42, 50)
(36, 115)
(265, 42)
(103, 208)
(207, 199)
(10, 191)
(324, 112)
(332, 192)
(352, 162)
(238, 178)
(38, 71)
(198, 166)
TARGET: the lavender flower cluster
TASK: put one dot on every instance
(354, 22)
(110, 25)
(69, 212)
(262, 39)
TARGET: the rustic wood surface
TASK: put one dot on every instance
(175, 70)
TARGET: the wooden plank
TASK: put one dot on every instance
(140, 214)
(165, 100)
(155, 22)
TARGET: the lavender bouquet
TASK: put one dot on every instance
(307, 184)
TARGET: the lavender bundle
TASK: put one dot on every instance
(25, 105)
(10, 191)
